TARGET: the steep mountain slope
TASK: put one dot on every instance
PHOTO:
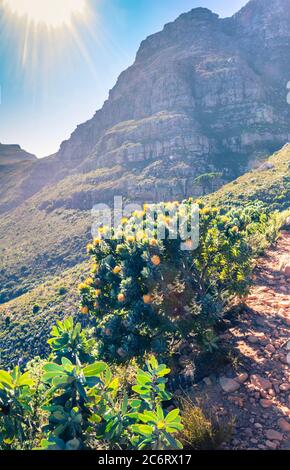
(29, 267)
(14, 162)
(205, 97)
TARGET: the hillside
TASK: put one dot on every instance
(14, 163)
(31, 267)
(195, 110)
(270, 184)
(56, 230)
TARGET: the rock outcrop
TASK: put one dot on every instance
(205, 96)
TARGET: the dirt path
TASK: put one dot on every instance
(256, 392)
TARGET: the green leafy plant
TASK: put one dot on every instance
(86, 401)
(70, 341)
(65, 404)
(156, 429)
(16, 391)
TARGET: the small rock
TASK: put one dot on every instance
(271, 445)
(242, 378)
(270, 348)
(273, 435)
(284, 387)
(258, 426)
(229, 385)
(285, 267)
(253, 339)
(207, 381)
(265, 403)
(260, 382)
(284, 425)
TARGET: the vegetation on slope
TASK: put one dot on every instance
(58, 235)
(269, 184)
(72, 400)
(26, 321)
(47, 234)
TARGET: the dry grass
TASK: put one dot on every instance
(201, 432)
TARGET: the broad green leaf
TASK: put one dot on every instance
(66, 363)
(25, 379)
(51, 367)
(160, 413)
(5, 378)
(95, 369)
(142, 429)
(171, 417)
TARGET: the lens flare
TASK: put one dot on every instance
(50, 13)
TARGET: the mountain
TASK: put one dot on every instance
(12, 154)
(14, 162)
(204, 101)
(205, 95)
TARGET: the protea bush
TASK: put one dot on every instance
(147, 294)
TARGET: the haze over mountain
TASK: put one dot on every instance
(205, 97)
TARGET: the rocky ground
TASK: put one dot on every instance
(254, 391)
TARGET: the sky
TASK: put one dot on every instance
(54, 78)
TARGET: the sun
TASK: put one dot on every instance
(51, 13)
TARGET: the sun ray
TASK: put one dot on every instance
(51, 13)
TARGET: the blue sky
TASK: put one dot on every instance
(66, 76)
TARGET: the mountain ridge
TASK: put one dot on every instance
(202, 103)
(183, 122)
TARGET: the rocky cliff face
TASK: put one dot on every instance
(207, 92)
(204, 96)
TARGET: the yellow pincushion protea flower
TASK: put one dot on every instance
(121, 298)
(95, 268)
(124, 220)
(138, 214)
(117, 269)
(205, 211)
(141, 235)
(199, 202)
(153, 242)
(147, 299)
(130, 239)
(103, 230)
(82, 286)
(97, 241)
(156, 260)
(89, 281)
(89, 247)
(85, 310)
(98, 292)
